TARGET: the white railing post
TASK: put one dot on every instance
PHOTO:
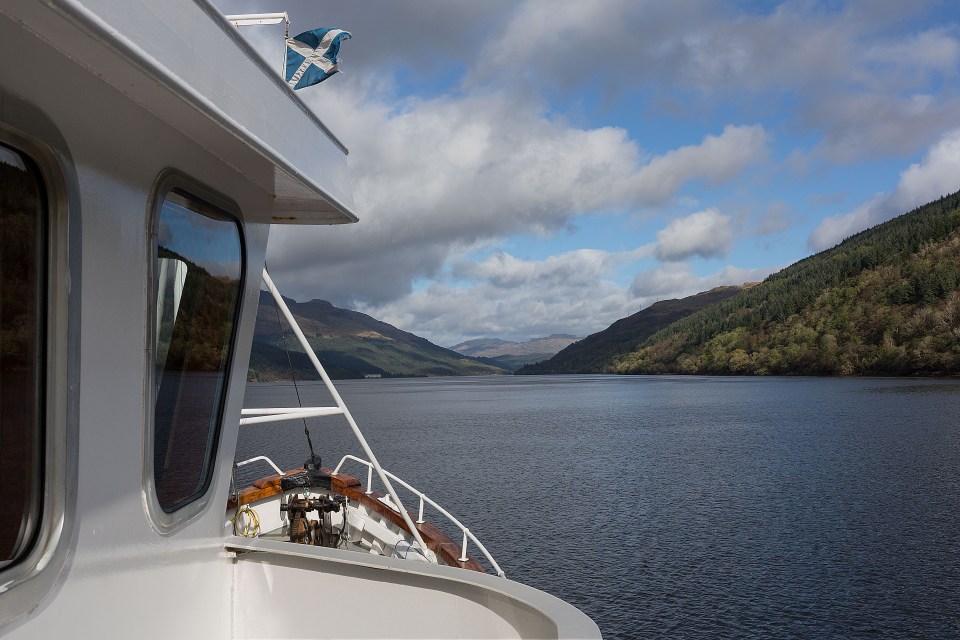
(258, 458)
(369, 479)
(420, 516)
(463, 547)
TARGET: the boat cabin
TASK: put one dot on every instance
(145, 152)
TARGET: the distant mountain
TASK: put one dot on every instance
(513, 355)
(488, 347)
(594, 353)
(349, 344)
(885, 301)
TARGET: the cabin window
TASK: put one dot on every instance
(198, 279)
(23, 241)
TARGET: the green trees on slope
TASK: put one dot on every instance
(885, 301)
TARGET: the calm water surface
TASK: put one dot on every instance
(681, 507)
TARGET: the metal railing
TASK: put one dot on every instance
(424, 499)
(258, 459)
(280, 414)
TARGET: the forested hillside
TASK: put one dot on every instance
(884, 302)
(594, 353)
(349, 344)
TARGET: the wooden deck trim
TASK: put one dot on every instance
(351, 487)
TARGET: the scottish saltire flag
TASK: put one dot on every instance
(312, 56)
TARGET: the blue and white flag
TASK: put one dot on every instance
(312, 56)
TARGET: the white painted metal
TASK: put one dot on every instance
(424, 498)
(190, 68)
(415, 599)
(107, 100)
(332, 390)
(257, 18)
(259, 459)
(58, 85)
(252, 19)
(263, 411)
(293, 415)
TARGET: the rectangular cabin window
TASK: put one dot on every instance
(198, 282)
(23, 231)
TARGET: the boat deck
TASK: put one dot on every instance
(374, 524)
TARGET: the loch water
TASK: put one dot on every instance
(679, 507)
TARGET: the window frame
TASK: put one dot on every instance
(32, 577)
(163, 521)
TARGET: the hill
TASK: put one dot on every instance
(594, 353)
(885, 301)
(349, 344)
(513, 355)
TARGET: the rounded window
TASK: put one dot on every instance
(198, 280)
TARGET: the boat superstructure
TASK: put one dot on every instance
(145, 152)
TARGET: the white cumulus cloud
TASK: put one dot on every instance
(437, 175)
(678, 281)
(937, 174)
(707, 234)
(574, 292)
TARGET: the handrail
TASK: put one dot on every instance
(424, 498)
(258, 458)
(270, 411)
(283, 413)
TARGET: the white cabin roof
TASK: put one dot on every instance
(182, 64)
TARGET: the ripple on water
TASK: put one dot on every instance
(673, 507)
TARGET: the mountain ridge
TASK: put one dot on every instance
(592, 354)
(493, 347)
(350, 344)
(512, 355)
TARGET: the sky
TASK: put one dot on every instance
(525, 168)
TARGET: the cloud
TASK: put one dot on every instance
(933, 50)
(710, 46)
(778, 217)
(668, 282)
(387, 35)
(513, 298)
(480, 124)
(716, 159)
(937, 174)
(707, 234)
(868, 124)
(433, 176)
(854, 74)
(582, 267)
(508, 297)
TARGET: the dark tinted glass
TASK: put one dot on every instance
(199, 267)
(22, 295)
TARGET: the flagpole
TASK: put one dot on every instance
(248, 19)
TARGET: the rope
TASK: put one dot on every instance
(251, 522)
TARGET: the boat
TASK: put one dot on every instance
(145, 153)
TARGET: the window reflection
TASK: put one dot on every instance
(22, 340)
(198, 279)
